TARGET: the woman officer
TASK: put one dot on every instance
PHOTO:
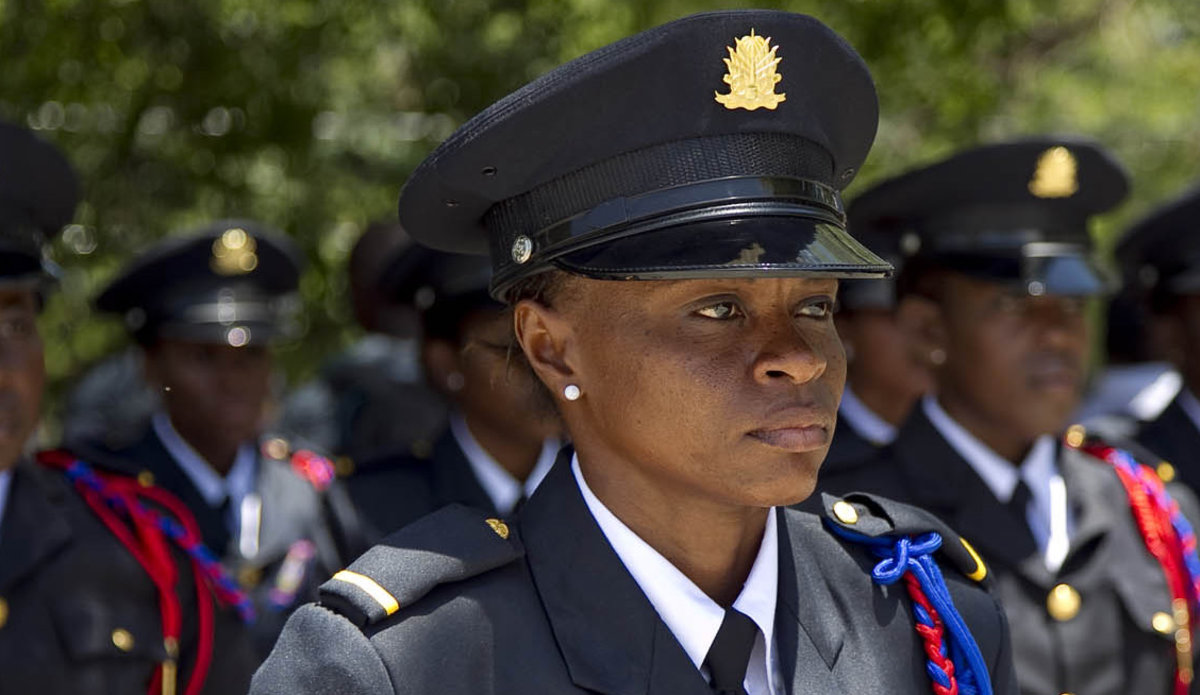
(703, 159)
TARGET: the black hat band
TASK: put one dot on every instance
(656, 168)
(734, 198)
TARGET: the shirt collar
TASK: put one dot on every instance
(864, 421)
(1191, 406)
(212, 486)
(691, 615)
(5, 484)
(500, 485)
(999, 474)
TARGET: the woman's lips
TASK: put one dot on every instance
(796, 439)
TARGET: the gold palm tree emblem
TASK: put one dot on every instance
(752, 75)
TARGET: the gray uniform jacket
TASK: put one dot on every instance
(544, 605)
(1103, 644)
(304, 532)
(79, 615)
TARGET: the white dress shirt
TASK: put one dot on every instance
(1048, 515)
(238, 484)
(498, 483)
(864, 421)
(5, 484)
(691, 615)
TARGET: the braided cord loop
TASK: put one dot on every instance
(1169, 537)
(143, 530)
(952, 658)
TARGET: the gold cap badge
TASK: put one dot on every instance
(233, 253)
(752, 75)
(1055, 174)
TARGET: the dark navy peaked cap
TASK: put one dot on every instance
(715, 145)
(38, 195)
(225, 283)
(1161, 252)
(1013, 212)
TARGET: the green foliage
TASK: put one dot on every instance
(308, 114)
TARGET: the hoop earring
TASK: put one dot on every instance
(571, 392)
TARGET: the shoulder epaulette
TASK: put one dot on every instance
(450, 545)
(905, 539)
(879, 517)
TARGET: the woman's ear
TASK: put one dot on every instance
(546, 338)
(921, 321)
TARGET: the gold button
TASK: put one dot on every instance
(122, 639)
(1166, 472)
(1063, 602)
(1075, 436)
(499, 527)
(1163, 623)
(845, 512)
(145, 478)
(249, 577)
(3, 611)
(276, 448)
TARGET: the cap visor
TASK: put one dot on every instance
(749, 247)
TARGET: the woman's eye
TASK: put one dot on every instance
(817, 309)
(724, 310)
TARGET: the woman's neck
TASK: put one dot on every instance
(714, 545)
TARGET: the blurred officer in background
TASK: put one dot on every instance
(665, 216)
(1164, 251)
(371, 399)
(885, 375)
(205, 307)
(998, 289)
(502, 435)
(96, 594)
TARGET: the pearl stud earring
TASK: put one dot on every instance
(571, 392)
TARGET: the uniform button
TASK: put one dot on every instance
(1163, 623)
(277, 448)
(145, 478)
(1063, 602)
(1166, 472)
(845, 512)
(3, 611)
(122, 639)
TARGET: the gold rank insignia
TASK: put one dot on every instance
(1055, 176)
(752, 75)
(234, 253)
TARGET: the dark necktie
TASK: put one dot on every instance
(1018, 505)
(730, 653)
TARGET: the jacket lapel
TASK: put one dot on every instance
(806, 627)
(611, 638)
(151, 454)
(33, 527)
(453, 478)
(945, 484)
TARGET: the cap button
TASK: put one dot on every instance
(522, 249)
(845, 512)
(1063, 603)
